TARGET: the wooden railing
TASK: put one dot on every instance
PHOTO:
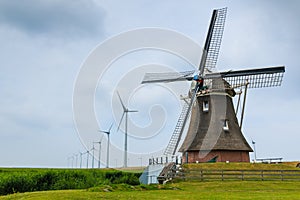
(204, 175)
(269, 160)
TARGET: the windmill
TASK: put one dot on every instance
(212, 135)
(125, 112)
(108, 133)
(99, 158)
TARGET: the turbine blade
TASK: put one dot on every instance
(101, 131)
(121, 121)
(110, 127)
(132, 111)
(124, 108)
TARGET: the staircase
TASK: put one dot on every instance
(167, 174)
(172, 145)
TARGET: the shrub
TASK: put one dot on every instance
(27, 180)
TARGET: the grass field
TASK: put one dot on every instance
(184, 190)
(109, 184)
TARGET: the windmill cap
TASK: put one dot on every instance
(197, 77)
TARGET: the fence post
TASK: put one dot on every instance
(262, 175)
(201, 175)
(242, 175)
(186, 157)
(222, 176)
(281, 175)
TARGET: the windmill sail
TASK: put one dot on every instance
(257, 78)
(175, 138)
(213, 41)
(170, 150)
(168, 77)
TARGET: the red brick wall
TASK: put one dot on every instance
(223, 156)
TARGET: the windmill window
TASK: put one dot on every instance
(205, 106)
(225, 125)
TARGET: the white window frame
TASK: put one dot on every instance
(205, 106)
(225, 125)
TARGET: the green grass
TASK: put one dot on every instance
(185, 190)
(109, 184)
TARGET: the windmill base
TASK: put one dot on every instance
(215, 156)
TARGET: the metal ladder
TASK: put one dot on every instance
(178, 129)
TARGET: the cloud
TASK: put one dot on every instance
(60, 18)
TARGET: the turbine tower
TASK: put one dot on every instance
(76, 159)
(93, 150)
(108, 133)
(87, 158)
(125, 112)
(99, 158)
(81, 158)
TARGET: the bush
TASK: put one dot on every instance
(28, 180)
(19, 183)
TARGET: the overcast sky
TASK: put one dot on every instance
(45, 43)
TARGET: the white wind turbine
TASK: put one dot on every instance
(108, 142)
(125, 112)
(99, 158)
(81, 158)
(93, 150)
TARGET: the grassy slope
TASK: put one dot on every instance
(193, 190)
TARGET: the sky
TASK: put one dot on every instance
(46, 44)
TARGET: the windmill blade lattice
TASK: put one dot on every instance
(176, 136)
(168, 77)
(257, 78)
(172, 145)
(213, 41)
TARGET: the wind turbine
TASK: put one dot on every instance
(81, 158)
(99, 159)
(108, 133)
(70, 164)
(125, 112)
(93, 150)
(87, 158)
(76, 156)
